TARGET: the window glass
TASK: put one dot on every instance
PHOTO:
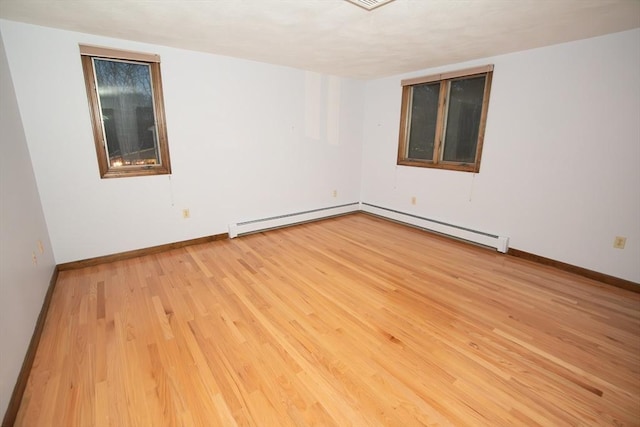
(126, 101)
(424, 115)
(443, 118)
(463, 120)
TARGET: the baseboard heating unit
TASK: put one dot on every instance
(500, 243)
(263, 224)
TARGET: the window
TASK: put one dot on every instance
(443, 119)
(124, 90)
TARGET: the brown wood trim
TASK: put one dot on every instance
(437, 161)
(463, 167)
(601, 277)
(106, 52)
(90, 262)
(447, 75)
(94, 112)
(443, 106)
(483, 120)
(405, 118)
(161, 120)
(106, 170)
(21, 382)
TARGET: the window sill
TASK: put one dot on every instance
(461, 167)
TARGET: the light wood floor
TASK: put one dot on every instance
(349, 321)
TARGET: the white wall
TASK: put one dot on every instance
(247, 140)
(560, 170)
(23, 284)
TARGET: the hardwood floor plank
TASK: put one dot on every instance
(349, 321)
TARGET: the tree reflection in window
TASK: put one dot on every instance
(126, 100)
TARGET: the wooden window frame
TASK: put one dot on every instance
(405, 119)
(87, 53)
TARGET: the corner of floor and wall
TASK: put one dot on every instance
(26, 259)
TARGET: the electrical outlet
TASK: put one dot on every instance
(186, 214)
(413, 200)
(619, 242)
(335, 193)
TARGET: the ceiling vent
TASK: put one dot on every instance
(369, 4)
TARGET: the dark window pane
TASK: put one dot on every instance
(126, 101)
(463, 120)
(146, 127)
(422, 128)
(109, 123)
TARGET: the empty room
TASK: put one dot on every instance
(320, 212)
